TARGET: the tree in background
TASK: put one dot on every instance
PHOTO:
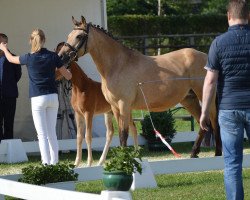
(168, 7)
(214, 6)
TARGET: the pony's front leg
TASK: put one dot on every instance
(109, 135)
(79, 124)
(88, 136)
(192, 105)
(124, 122)
(133, 130)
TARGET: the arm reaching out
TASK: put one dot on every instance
(66, 73)
(11, 58)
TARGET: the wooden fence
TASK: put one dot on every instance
(153, 45)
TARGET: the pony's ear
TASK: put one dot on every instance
(83, 20)
(74, 21)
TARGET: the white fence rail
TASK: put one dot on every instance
(10, 187)
(28, 191)
(12, 151)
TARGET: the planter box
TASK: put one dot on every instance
(70, 185)
(117, 181)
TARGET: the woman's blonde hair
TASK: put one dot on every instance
(37, 40)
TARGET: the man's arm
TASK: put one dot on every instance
(18, 72)
(208, 92)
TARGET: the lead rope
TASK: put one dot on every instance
(157, 132)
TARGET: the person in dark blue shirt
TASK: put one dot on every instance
(228, 70)
(41, 65)
(10, 74)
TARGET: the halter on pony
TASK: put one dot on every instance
(73, 54)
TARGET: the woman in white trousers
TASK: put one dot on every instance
(41, 65)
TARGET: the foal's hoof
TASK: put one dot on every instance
(76, 164)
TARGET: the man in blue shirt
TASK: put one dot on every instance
(228, 69)
(9, 76)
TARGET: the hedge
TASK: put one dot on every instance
(131, 25)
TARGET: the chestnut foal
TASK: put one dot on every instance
(88, 100)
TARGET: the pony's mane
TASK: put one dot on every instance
(104, 31)
(110, 35)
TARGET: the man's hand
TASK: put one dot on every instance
(204, 122)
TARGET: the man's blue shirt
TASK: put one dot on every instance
(41, 69)
(229, 54)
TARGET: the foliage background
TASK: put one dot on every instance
(140, 17)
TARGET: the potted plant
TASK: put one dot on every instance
(50, 175)
(118, 170)
(164, 123)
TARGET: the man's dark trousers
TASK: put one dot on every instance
(7, 114)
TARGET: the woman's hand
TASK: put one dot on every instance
(3, 46)
(10, 58)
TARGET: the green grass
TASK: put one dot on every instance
(183, 148)
(187, 186)
(184, 186)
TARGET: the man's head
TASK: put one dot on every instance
(237, 11)
(3, 38)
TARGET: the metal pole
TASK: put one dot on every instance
(159, 14)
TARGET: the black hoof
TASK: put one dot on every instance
(194, 156)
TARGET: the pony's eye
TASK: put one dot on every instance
(79, 37)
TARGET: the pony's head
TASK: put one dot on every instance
(76, 45)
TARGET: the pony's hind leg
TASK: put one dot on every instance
(79, 124)
(215, 127)
(192, 105)
(109, 135)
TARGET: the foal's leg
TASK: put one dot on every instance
(79, 124)
(88, 136)
(109, 135)
(192, 105)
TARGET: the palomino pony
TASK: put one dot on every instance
(126, 74)
(87, 100)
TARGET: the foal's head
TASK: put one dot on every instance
(76, 45)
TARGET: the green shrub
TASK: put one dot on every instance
(164, 122)
(43, 174)
(123, 159)
(132, 25)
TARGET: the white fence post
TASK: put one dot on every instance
(15, 151)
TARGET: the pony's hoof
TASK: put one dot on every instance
(194, 156)
(218, 154)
